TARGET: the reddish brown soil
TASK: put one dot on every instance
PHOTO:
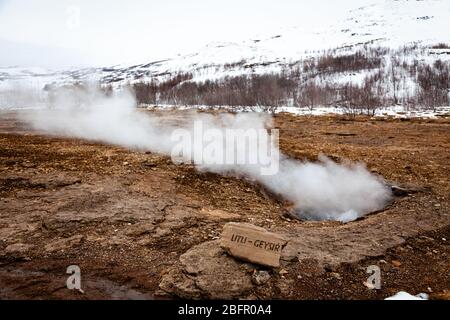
(125, 217)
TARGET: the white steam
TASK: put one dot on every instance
(319, 191)
(329, 191)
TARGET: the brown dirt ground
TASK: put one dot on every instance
(125, 217)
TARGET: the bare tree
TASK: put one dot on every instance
(307, 96)
(394, 77)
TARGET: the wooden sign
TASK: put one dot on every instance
(252, 244)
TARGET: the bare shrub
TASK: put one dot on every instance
(354, 62)
(440, 46)
(311, 82)
(433, 85)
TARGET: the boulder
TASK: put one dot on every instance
(206, 271)
(253, 244)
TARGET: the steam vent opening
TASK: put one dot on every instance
(393, 193)
(329, 191)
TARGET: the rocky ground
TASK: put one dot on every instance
(141, 227)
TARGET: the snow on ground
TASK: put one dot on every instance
(406, 296)
(398, 112)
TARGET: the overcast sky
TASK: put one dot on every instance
(106, 32)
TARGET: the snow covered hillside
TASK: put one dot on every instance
(393, 24)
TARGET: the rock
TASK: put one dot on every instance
(175, 282)
(205, 271)
(336, 275)
(285, 286)
(399, 192)
(64, 244)
(369, 285)
(18, 249)
(253, 244)
(283, 272)
(396, 263)
(140, 229)
(149, 164)
(403, 191)
(290, 252)
(260, 277)
(219, 215)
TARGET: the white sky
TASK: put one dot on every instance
(117, 31)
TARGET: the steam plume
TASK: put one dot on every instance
(319, 191)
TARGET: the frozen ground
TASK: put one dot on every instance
(389, 112)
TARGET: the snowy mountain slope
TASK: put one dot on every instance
(386, 23)
(389, 23)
